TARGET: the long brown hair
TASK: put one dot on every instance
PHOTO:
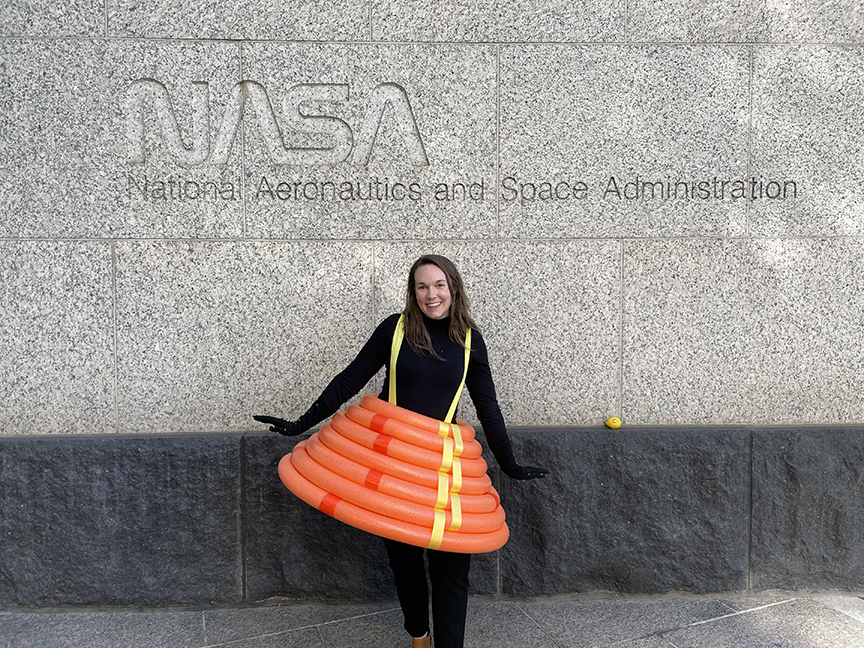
(460, 319)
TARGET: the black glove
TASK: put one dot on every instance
(283, 427)
(526, 472)
(503, 452)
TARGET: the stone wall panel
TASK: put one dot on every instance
(56, 335)
(119, 521)
(210, 334)
(754, 331)
(807, 515)
(808, 129)
(595, 140)
(72, 168)
(618, 505)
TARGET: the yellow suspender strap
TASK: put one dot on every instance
(453, 446)
(452, 410)
(398, 336)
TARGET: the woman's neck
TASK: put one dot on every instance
(442, 324)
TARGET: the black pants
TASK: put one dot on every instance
(448, 573)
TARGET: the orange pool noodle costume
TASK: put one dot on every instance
(400, 475)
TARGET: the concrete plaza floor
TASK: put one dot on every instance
(692, 622)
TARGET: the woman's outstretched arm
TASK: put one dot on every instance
(374, 355)
(482, 389)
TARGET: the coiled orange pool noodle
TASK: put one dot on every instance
(381, 525)
(392, 486)
(389, 466)
(374, 404)
(399, 475)
(409, 434)
(373, 499)
(397, 449)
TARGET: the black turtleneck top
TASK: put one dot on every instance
(423, 384)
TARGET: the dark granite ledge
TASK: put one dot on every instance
(201, 520)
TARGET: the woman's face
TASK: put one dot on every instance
(432, 291)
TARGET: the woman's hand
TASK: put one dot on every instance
(527, 472)
(283, 427)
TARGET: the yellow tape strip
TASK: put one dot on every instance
(457, 476)
(455, 501)
(443, 482)
(447, 459)
(456, 512)
(437, 530)
(398, 336)
(457, 436)
(443, 429)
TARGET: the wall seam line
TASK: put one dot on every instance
(850, 45)
(750, 516)
(500, 576)
(626, 19)
(113, 247)
(241, 507)
(747, 203)
(622, 245)
(374, 277)
(538, 239)
(497, 141)
(105, 6)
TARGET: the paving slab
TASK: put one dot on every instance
(380, 630)
(849, 605)
(224, 626)
(800, 623)
(754, 621)
(303, 638)
(101, 630)
(585, 624)
(491, 625)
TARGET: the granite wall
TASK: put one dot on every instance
(206, 208)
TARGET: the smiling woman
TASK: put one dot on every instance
(443, 352)
(432, 292)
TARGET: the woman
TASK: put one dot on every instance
(429, 371)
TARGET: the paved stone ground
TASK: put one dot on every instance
(695, 622)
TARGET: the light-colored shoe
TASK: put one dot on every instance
(422, 642)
